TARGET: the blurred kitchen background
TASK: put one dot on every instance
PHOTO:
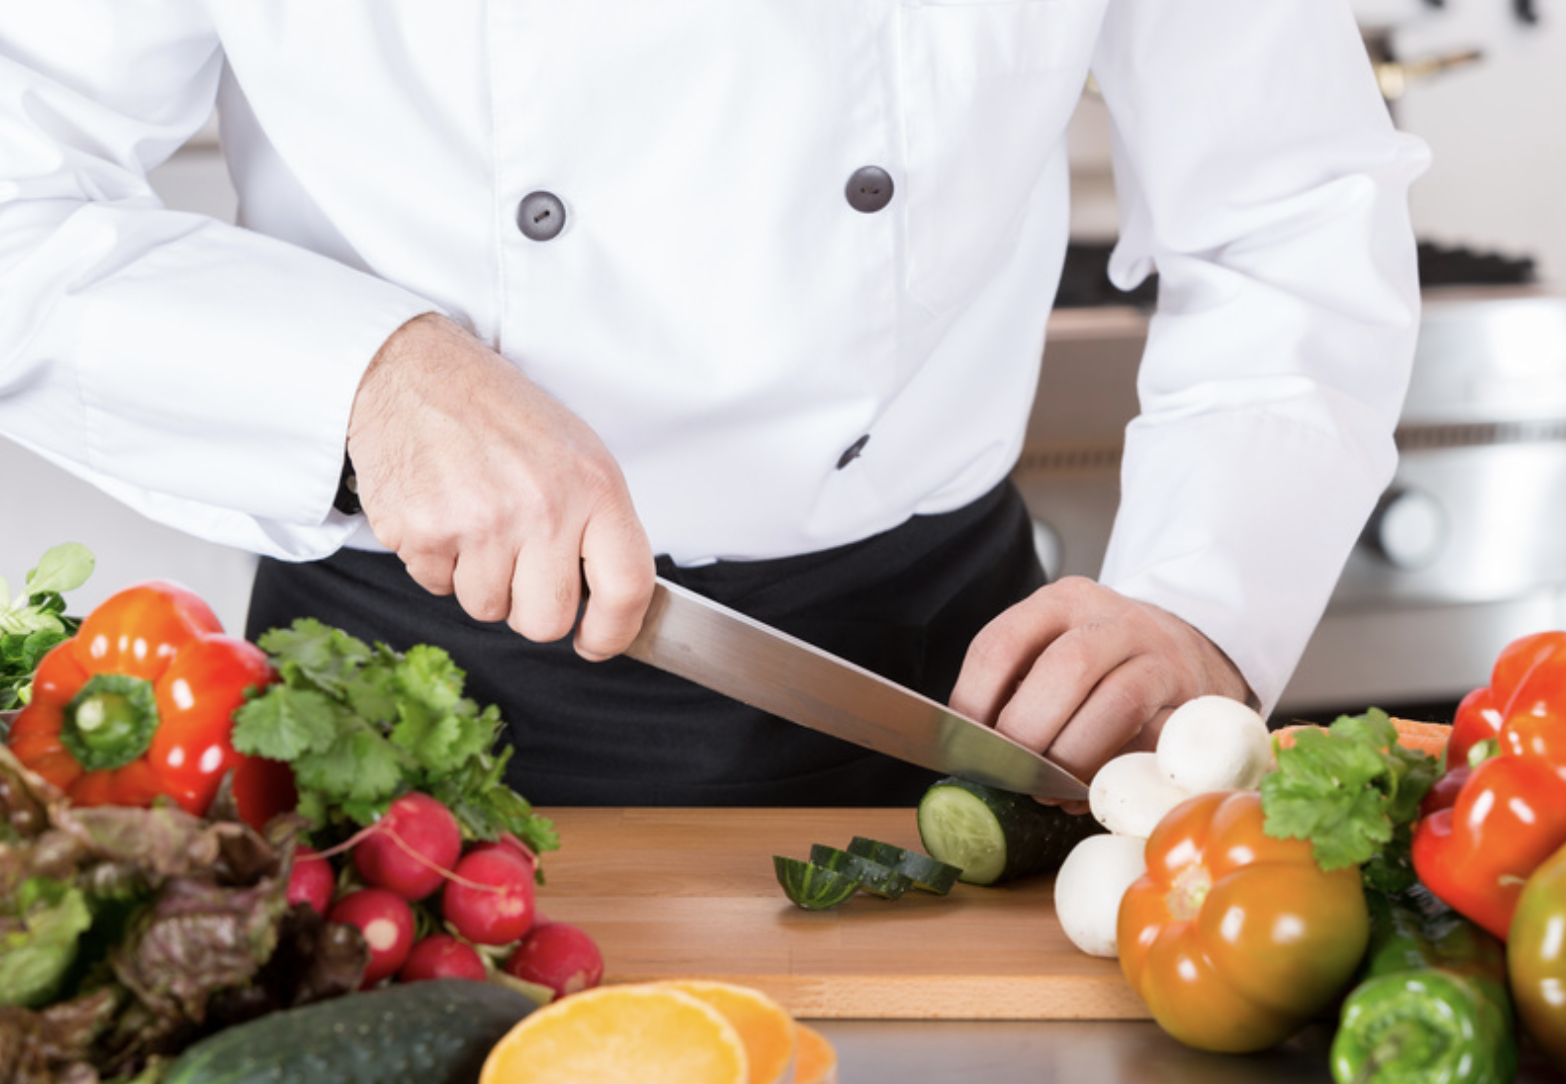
(1469, 547)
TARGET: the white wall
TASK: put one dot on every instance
(1496, 129)
(1497, 181)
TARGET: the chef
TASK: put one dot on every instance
(529, 300)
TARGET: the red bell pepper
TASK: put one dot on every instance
(138, 705)
(1509, 813)
(1478, 719)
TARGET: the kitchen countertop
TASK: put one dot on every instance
(1073, 1052)
(692, 893)
(979, 986)
(1030, 1052)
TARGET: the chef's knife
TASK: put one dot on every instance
(716, 647)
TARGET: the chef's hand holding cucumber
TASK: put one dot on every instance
(1086, 673)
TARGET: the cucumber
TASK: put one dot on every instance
(434, 1032)
(995, 836)
(928, 874)
(878, 879)
(813, 887)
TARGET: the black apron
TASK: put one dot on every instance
(904, 604)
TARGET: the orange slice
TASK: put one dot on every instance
(613, 1034)
(815, 1061)
(764, 1026)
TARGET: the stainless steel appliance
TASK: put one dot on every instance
(1468, 547)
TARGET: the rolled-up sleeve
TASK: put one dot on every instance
(197, 371)
(1260, 176)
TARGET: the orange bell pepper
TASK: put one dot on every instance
(138, 705)
(1234, 939)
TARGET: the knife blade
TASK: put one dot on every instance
(723, 650)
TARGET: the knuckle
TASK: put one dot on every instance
(423, 532)
(1125, 704)
(997, 644)
(486, 606)
(429, 573)
(541, 515)
(601, 476)
(466, 523)
(1074, 658)
(539, 625)
(545, 615)
(1074, 583)
(1025, 723)
(1073, 590)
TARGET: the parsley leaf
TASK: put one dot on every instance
(362, 725)
(359, 769)
(434, 721)
(479, 797)
(34, 621)
(286, 724)
(309, 653)
(1347, 789)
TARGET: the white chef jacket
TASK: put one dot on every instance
(714, 306)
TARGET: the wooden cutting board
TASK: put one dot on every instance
(691, 893)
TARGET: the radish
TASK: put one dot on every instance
(386, 921)
(311, 881)
(411, 848)
(489, 898)
(1214, 743)
(442, 956)
(1089, 886)
(557, 955)
(509, 844)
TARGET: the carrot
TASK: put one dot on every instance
(1411, 734)
(1426, 737)
(1284, 736)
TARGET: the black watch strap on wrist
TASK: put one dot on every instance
(347, 499)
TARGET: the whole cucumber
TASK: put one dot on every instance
(435, 1032)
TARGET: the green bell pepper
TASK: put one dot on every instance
(1433, 1006)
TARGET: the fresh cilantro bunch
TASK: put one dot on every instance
(34, 620)
(363, 724)
(1353, 792)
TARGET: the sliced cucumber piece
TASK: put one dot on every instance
(813, 887)
(873, 876)
(995, 836)
(928, 874)
(888, 854)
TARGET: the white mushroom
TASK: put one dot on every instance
(1131, 794)
(1214, 743)
(1089, 886)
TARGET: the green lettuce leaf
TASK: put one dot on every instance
(40, 932)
